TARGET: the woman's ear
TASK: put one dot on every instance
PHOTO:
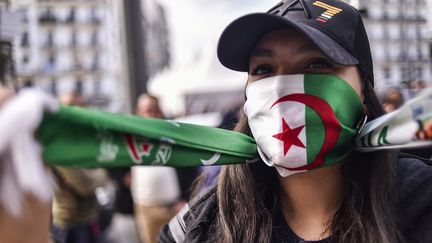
(366, 109)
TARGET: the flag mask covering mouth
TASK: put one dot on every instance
(301, 122)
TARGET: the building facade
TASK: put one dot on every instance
(74, 45)
(148, 43)
(9, 32)
(399, 35)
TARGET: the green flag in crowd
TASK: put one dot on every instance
(81, 137)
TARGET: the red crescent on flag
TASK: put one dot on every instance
(131, 148)
(330, 121)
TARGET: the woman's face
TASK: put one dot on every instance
(286, 51)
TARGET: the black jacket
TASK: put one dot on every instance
(414, 193)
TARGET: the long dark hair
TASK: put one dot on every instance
(248, 197)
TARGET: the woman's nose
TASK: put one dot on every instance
(288, 68)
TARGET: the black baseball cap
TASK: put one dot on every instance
(334, 26)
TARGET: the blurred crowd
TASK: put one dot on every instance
(394, 97)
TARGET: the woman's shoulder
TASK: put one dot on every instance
(414, 193)
(412, 176)
(194, 220)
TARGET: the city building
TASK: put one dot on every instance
(75, 45)
(91, 47)
(429, 27)
(148, 43)
(9, 32)
(398, 33)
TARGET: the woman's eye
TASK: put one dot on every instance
(262, 70)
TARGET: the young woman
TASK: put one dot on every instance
(310, 83)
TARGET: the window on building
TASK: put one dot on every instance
(93, 15)
(47, 16)
(419, 50)
(79, 86)
(25, 59)
(403, 55)
(385, 32)
(418, 32)
(430, 51)
(74, 39)
(51, 62)
(95, 62)
(404, 73)
(25, 40)
(419, 72)
(94, 39)
(77, 63)
(53, 87)
(393, 30)
(50, 39)
(384, 14)
(402, 32)
(24, 16)
(72, 15)
(387, 50)
(386, 72)
(28, 83)
(97, 86)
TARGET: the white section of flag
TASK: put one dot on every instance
(266, 121)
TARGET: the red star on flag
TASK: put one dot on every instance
(289, 136)
(146, 147)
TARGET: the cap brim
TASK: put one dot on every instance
(240, 37)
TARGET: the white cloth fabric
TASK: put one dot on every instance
(400, 128)
(122, 229)
(22, 168)
(155, 185)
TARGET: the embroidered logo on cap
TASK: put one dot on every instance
(329, 13)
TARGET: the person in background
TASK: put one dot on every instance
(148, 106)
(123, 226)
(393, 99)
(158, 192)
(75, 207)
(72, 98)
(416, 86)
(425, 130)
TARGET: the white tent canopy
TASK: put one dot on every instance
(203, 74)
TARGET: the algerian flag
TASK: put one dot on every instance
(81, 137)
(301, 122)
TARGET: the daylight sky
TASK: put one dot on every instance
(197, 24)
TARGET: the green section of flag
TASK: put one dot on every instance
(348, 109)
(314, 134)
(88, 138)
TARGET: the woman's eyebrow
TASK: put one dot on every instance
(260, 52)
